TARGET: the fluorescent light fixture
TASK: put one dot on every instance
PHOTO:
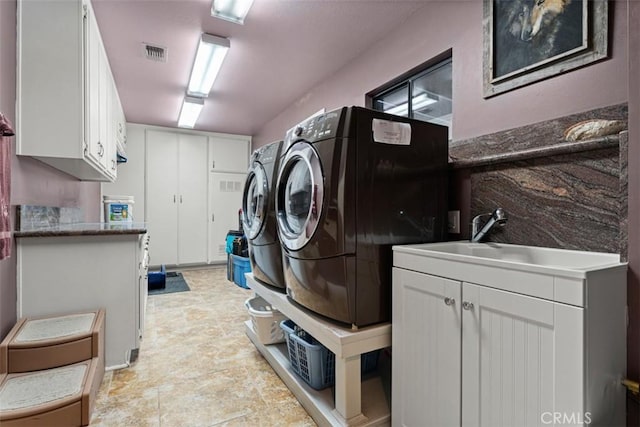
(209, 57)
(417, 103)
(231, 10)
(191, 108)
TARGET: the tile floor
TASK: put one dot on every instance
(197, 367)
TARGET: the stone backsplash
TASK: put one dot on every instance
(30, 217)
(557, 194)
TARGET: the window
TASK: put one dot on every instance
(424, 94)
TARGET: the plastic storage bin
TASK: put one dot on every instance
(313, 362)
(265, 320)
(241, 265)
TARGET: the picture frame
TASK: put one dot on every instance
(526, 41)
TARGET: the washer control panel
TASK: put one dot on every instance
(266, 153)
(315, 128)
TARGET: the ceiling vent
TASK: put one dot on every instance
(154, 53)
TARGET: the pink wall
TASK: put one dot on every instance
(457, 25)
(32, 182)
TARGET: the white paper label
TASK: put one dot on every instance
(388, 132)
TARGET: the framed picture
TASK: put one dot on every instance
(530, 40)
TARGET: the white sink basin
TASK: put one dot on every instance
(525, 257)
(558, 275)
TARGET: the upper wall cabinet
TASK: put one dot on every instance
(229, 154)
(68, 109)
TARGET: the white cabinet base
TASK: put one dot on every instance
(67, 274)
(356, 402)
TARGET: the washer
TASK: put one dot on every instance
(352, 183)
(259, 217)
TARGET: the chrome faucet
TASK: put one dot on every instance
(496, 218)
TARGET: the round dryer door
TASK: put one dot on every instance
(254, 201)
(300, 195)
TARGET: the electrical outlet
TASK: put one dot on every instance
(454, 222)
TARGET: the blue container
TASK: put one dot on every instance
(157, 279)
(231, 235)
(241, 265)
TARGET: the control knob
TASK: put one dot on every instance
(298, 131)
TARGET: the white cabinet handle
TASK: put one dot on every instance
(174, 198)
(213, 217)
(467, 305)
(101, 150)
(449, 301)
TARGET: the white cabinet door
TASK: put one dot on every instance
(521, 359)
(161, 205)
(104, 142)
(101, 145)
(228, 154)
(225, 199)
(176, 201)
(119, 121)
(426, 350)
(111, 106)
(192, 199)
(94, 72)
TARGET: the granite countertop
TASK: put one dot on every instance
(83, 229)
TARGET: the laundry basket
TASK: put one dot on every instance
(315, 363)
(265, 320)
(312, 361)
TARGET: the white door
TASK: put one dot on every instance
(192, 199)
(426, 350)
(225, 200)
(522, 359)
(228, 154)
(161, 208)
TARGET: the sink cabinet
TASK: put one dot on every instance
(475, 354)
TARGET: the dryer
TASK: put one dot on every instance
(352, 183)
(259, 217)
